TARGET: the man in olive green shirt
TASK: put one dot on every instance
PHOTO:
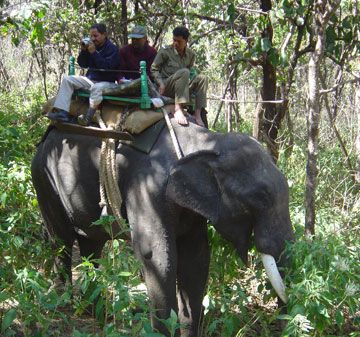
(171, 72)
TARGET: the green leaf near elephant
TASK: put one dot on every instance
(265, 44)
(8, 319)
(346, 23)
(339, 318)
(286, 4)
(41, 13)
(125, 274)
(297, 309)
(334, 19)
(284, 60)
(274, 57)
(348, 37)
(330, 34)
(15, 40)
(18, 241)
(231, 13)
(301, 9)
(3, 199)
(256, 49)
(173, 317)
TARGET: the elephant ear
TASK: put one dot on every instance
(192, 184)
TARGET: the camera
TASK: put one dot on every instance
(85, 41)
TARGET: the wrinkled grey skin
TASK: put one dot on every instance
(226, 178)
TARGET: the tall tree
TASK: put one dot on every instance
(357, 145)
(323, 10)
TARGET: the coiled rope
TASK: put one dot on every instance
(109, 190)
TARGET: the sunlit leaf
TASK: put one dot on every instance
(265, 44)
(231, 13)
(8, 319)
(284, 59)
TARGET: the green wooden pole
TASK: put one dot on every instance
(71, 65)
(145, 99)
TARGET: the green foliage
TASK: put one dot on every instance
(26, 256)
(110, 290)
(323, 293)
(324, 284)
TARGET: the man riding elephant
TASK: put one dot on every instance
(171, 72)
(97, 54)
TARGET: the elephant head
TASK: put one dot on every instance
(240, 190)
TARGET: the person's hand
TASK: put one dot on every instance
(91, 47)
(83, 45)
(161, 88)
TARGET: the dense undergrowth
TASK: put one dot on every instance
(323, 287)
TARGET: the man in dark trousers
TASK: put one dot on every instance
(96, 53)
(132, 54)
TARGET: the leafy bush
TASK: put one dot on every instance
(325, 295)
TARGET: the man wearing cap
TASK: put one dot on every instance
(171, 72)
(132, 54)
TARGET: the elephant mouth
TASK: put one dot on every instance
(274, 276)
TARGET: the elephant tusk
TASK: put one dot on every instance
(273, 273)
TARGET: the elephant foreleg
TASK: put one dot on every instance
(192, 274)
(158, 255)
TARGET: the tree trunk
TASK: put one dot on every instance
(323, 12)
(357, 146)
(259, 113)
(229, 117)
(268, 92)
(124, 22)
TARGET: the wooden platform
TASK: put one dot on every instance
(92, 131)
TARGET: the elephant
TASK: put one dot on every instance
(227, 179)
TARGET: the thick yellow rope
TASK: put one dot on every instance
(109, 189)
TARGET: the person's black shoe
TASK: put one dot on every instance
(61, 116)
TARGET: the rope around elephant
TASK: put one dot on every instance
(109, 190)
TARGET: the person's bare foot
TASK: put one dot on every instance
(199, 121)
(198, 118)
(180, 117)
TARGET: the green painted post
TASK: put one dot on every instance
(71, 65)
(145, 99)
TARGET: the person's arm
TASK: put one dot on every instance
(156, 66)
(83, 59)
(192, 61)
(150, 61)
(108, 59)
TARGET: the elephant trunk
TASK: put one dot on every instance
(274, 275)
